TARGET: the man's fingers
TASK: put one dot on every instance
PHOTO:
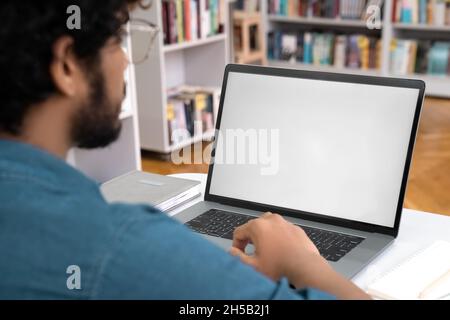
(266, 214)
(235, 251)
(243, 256)
(242, 236)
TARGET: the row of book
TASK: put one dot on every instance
(191, 111)
(433, 12)
(187, 20)
(342, 51)
(420, 56)
(344, 9)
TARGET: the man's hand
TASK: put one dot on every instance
(284, 250)
(281, 248)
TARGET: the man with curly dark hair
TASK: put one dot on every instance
(61, 88)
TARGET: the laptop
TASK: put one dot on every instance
(329, 152)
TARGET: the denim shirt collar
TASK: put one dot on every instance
(19, 160)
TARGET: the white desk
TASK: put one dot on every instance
(417, 231)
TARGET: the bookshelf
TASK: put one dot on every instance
(421, 27)
(124, 154)
(324, 68)
(200, 63)
(318, 21)
(195, 43)
(437, 85)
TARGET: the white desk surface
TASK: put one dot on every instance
(417, 230)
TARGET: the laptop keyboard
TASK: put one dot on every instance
(218, 223)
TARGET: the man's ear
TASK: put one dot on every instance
(65, 69)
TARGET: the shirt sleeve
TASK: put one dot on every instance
(154, 257)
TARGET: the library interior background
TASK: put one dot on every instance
(178, 86)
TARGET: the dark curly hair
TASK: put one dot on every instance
(29, 28)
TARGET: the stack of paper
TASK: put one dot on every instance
(425, 275)
(162, 192)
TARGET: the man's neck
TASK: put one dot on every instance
(53, 148)
(45, 127)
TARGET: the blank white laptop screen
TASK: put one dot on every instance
(330, 148)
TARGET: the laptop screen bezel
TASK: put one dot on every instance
(324, 76)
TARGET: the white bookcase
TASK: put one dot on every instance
(196, 63)
(435, 85)
(124, 154)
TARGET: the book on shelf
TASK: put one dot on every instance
(420, 57)
(431, 12)
(189, 20)
(335, 9)
(191, 111)
(355, 51)
(447, 13)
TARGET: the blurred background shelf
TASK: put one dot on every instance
(438, 86)
(324, 68)
(194, 43)
(429, 180)
(193, 57)
(353, 23)
(207, 136)
(421, 27)
(397, 38)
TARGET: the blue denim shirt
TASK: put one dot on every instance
(53, 217)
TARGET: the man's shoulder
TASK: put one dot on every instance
(77, 230)
(123, 214)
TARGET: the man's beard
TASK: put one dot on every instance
(96, 124)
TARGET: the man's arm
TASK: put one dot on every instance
(155, 257)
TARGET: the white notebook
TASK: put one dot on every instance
(425, 275)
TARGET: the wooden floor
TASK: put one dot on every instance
(429, 179)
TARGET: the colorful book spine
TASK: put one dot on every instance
(166, 30)
(188, 20)
(194, 20)
(406, 12)
(419, 56)
(342, 51)
(423, 11)
(308, 48)
(172, 18)
(180, 20)
(433, 12)
(191, 111)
